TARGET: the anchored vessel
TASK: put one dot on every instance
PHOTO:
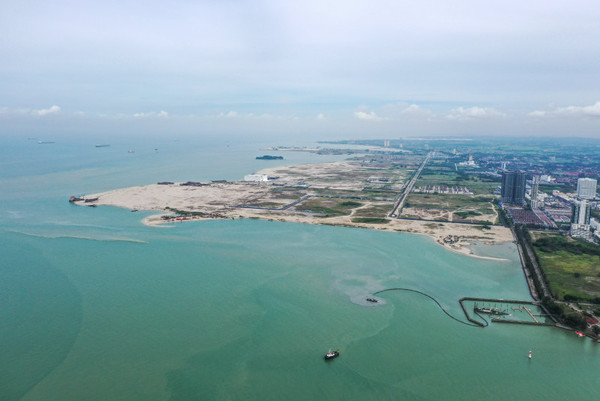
(331, 354)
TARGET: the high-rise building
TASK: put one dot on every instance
(586, 188)
(581, 213)
(535, 203)
(580, 220)
(513, 187)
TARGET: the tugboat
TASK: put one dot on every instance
(372, 300)
(331, 354)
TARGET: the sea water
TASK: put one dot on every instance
(96, 306)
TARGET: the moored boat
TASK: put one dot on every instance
(491, 311)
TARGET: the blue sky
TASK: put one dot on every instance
(323, 69)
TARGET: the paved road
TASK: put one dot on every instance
(537, 269)
(408, 188)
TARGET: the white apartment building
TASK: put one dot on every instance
(586, 188)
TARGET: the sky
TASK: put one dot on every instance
(318, 69)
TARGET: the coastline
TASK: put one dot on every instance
(215, 204)
(287, 196)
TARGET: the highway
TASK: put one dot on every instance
(408, 188)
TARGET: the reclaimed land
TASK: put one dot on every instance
(354, 193)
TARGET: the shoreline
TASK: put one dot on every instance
(291, 196)
(465, 250)
(461, 247)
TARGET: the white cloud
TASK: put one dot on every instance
(413, 109)
(592, 111)
(54, 109)
(234, 115)
(44, 112)
(229, 114)
(406, 111)
(363, 115)
(474, 113)
(320, 116)
(160, 114)
(537, 113)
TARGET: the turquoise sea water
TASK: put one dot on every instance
(96, 306)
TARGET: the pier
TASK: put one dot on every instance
(522, 306)
(495, 313)
(530, 314)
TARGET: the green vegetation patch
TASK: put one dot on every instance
(370, 220)
(351, 204)
(377, 210)
(571, 267)
(328, 207)
(484, 227)
(441, 175)
(180, 212)
(267, 205)
(535, 235)
(478, 204)
(449, 177)
(467, 214)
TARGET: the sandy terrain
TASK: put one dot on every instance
(344, 175)
(231, 201)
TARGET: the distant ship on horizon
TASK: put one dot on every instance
(103, 146)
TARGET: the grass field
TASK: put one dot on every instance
(442, 175)
(481, 204)
(328, 207)
(572, 268)
(370, 220)
(374, 211)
